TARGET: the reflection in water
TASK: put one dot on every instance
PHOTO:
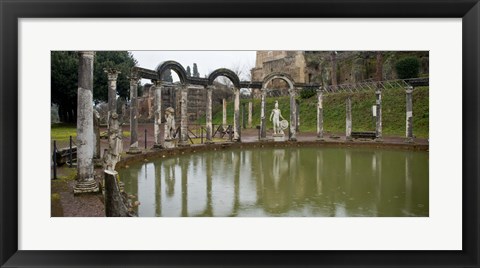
(327, 182)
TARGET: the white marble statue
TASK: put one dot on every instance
(115, 146)
(170, 123)
(277, 114)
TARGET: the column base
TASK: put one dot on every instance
(409, 140)
(293, 139)
(86, 186)
(157, 146)
(378, 140)
(348, 139)
(209, 142)
(278, 137)
(134, 150)
(169, 143)
(320, 139)
(183, 144)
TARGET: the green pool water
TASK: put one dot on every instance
(298, 182)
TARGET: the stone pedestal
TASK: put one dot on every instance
(278, 137)
(170, 143)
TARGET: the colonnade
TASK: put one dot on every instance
(85, 137)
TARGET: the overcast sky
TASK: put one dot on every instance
(207, 61)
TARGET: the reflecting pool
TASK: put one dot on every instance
(300, 181)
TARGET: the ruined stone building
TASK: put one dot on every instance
(197, 97)
(330, 67)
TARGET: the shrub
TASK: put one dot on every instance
(407, 68)
(307, 93)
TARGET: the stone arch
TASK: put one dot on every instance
(276, 75)
(224, 72)
(176, 67)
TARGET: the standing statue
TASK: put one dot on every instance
(277, 124)
(170, 123)
(115, 146)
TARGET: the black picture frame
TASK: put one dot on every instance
(11, 11)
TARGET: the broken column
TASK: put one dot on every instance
(320, 114)
(348, 132)
(85, 182)
(116, 204)
(158, 113)
(250, 111)
(183, 116)
(133, 115)
(224, 114)
(378, 124)
(293, 115)
(236, 115)
(263, 125)
(409, 121)
(208, 114)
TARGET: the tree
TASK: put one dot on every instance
(189, 73)
(122, 61)
(195, 70)
(64, 84)
(407, 67)
(64, 77)
(379, 65)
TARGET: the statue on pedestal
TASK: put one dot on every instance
(115, 146)
(169, 128)
(170, 123)
(278, 126)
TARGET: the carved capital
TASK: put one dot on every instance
(112, 73)
(409, 89)
(87, 54)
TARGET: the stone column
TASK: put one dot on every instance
(293, 115)
(96, 130)
(409, 117)
(348, 132)
(85, 182)
(224, 114)
(157, 87)
(112, 75)
(208, 115)
(320, 114)
(184, 116)
(378, 125)
(133, 115)
(263, 125)
(236, 115)
(250, 111)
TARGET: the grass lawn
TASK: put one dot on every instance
(62, 132)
